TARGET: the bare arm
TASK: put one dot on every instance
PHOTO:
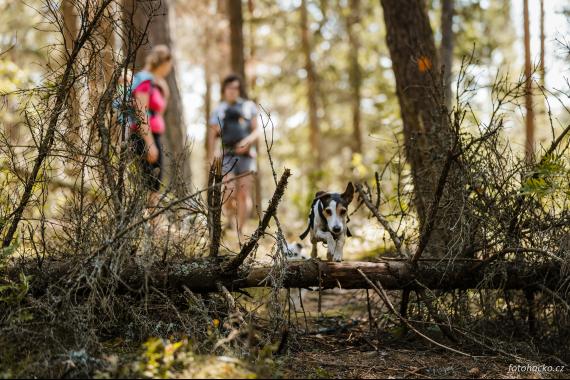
(141, 100)
(213, 148)
(244, 145)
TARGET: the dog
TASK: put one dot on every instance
(294, 251)
(328, 221)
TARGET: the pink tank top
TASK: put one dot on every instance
(156, 106)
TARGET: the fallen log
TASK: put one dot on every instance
(393, 275)
(206, 275)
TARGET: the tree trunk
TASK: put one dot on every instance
(108, 35)
(135, 32)
(427, 133)
(252, 80)
(528, 86)
(177, 160)
(207, 111)
(103, 65)
(234, 9)
(314, 132)
(355, 73)
(70, 32)
(446, 48)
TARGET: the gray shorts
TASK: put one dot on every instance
(238, 164)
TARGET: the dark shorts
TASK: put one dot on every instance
(151, 173)
(238, 164)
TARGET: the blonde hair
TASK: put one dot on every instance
(157, 56)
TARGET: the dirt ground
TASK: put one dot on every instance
(340, 344)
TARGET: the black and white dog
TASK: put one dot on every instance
(294, 251)
(328, 222)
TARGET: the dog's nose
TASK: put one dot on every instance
(337, 229)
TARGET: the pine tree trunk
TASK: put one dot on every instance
(446, 48)
(427, 133)
(528, 86)
(314, 132)
(355, 74)
(235, 14)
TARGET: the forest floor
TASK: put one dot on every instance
(341, 344)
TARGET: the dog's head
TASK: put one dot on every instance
(333, 208)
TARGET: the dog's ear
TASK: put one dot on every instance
(320, 194)
(348, 193)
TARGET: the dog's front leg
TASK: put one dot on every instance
(314, 250)
(329, 239)
(337, 255)
(314, 242)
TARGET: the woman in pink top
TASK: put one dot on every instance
(150, 92)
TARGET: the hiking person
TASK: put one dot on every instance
(234, 122)
(150, 94)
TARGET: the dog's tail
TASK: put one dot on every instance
(304, 234)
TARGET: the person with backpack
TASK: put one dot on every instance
(149, 93)
(234, 123)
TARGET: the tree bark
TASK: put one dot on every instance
(427, 133)
(314, 131)
(446, 48)
(528, 86)
(355, 73)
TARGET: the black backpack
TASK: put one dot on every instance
(235, 127)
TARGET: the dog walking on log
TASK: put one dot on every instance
(328, 222)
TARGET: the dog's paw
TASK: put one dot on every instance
(337, 259)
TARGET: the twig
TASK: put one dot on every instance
(248, 247)
(445, 329)
(382, 293)
(47, 142)
(304, 313)
(155, 214)
(215, 206)
(554, 295)
(381, 219)
(479, 265)
(231, 302)
(429, 225)
(370, 321)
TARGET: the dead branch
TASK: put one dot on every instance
(248, 247)
(382, 293)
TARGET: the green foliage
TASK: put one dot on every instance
(321, 373)
(12, 293)
(165, 359)
(550, 176)
(159, 358)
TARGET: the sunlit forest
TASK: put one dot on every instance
(284, 189)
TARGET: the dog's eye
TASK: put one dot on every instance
(342, 212)
(328, 211)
